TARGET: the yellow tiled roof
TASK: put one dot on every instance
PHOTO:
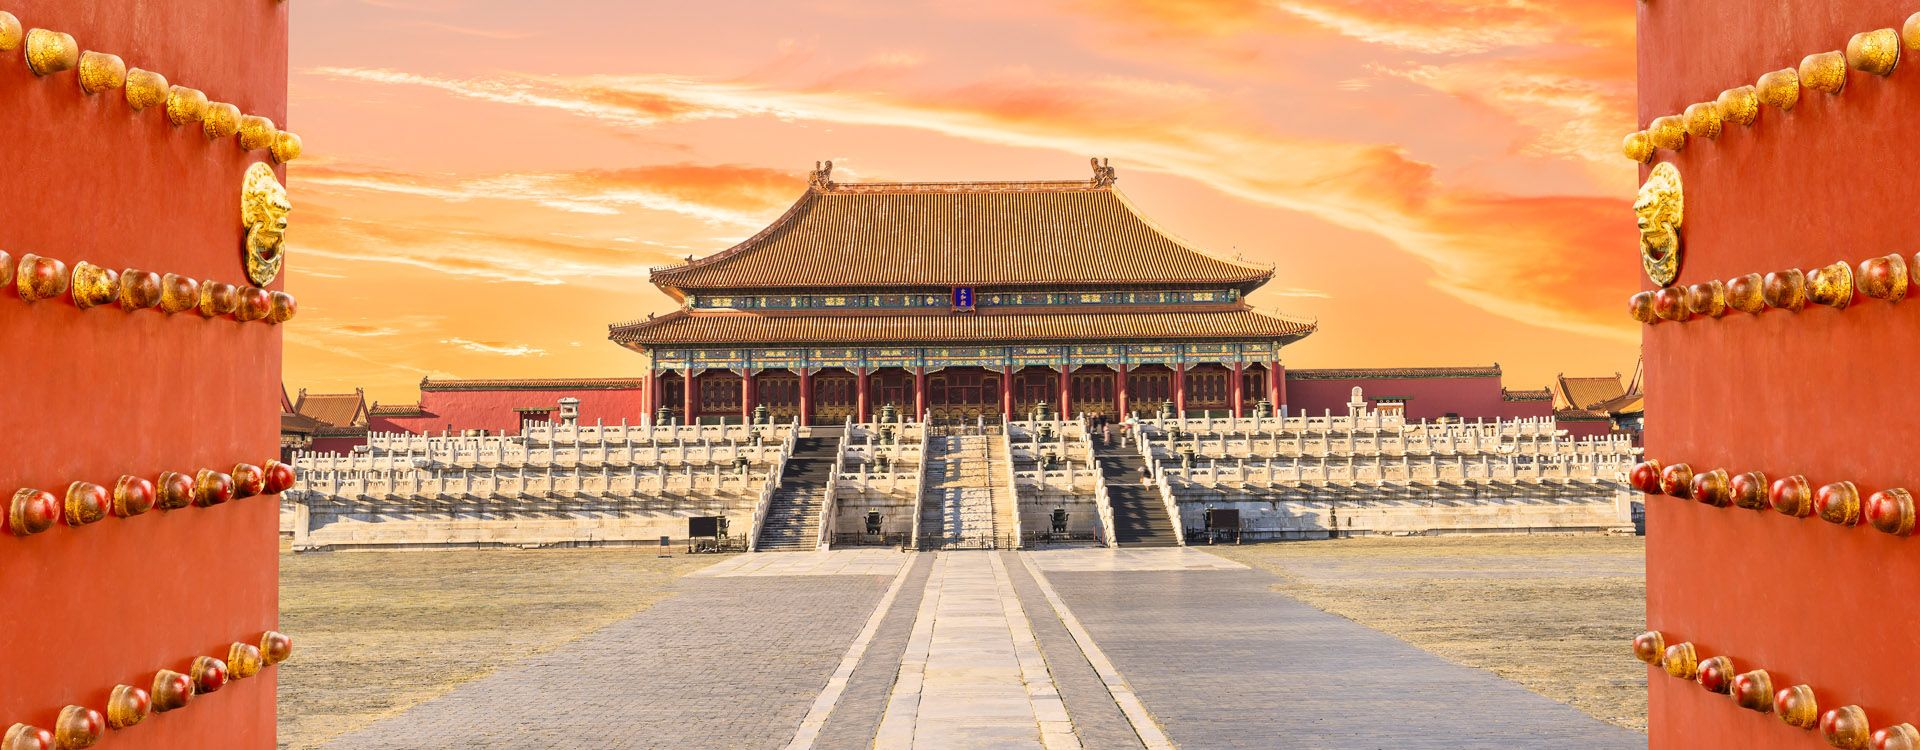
(685, 327)
(1585, 393)
(958, 234)
(333, 409)
(1632, 403)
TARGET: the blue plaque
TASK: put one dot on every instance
(963, 298)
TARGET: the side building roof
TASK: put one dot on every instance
(333, 409)
(937, 234)
(1586, 393)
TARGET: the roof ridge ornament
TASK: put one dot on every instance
(822, 175)
(1103, 175)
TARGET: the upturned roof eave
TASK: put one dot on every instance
(675, 280)
(643, 346)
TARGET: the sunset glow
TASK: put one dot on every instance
(1436, 181)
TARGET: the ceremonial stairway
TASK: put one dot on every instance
(966, 506)
(1139, 514)
(793, 517)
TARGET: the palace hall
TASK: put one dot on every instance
(956, 301)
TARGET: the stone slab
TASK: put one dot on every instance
(1223, 661)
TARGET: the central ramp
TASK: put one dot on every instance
(967, 505)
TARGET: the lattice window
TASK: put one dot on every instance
(963, 389)
(777, 391)
(833, 390)
(1092, 387)
(719, 394)
(1207, 387)
(1147, 388)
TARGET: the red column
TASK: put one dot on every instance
(1120, 391)
(1277, 384)
(1006, 393)
(1066, 391)
(648, 393)
(746, 396)
(860, 385)
(687, 391)
(1239, 389)
(920, 393)
(1180, 390)
(806, 396)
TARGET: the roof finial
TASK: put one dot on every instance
(1102, 172)
(822, 174)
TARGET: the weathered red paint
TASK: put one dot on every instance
(95, 394)
(1821, 392)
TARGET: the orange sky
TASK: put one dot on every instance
(486, 183)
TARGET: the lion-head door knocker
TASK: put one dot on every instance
(1660, 209)
(263, 209)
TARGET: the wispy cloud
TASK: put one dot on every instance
(410, 223)
(727, 195)
(1561, 72)
(1289, 291)
(1531, 259)
(499, 348)
(1556, 114)
(632, 106)
(503, 35)
(1440, 27)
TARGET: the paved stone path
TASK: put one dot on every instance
(1096, 718)
(1094, 648)
(856, 718)
(727, 662)
(972, 675)
(1223, 661)
(850, 562)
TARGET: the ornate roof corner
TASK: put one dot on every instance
(822, 175)
(1103, 175)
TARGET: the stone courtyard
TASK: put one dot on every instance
(1087, 648)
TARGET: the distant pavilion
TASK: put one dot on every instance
(955, 301)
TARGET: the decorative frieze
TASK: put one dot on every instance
(934, 358)
(856, 301)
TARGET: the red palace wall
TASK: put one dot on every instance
(341, 445)
(1470, 397)
(95, 394)
(493, 410)
(1822, 392)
